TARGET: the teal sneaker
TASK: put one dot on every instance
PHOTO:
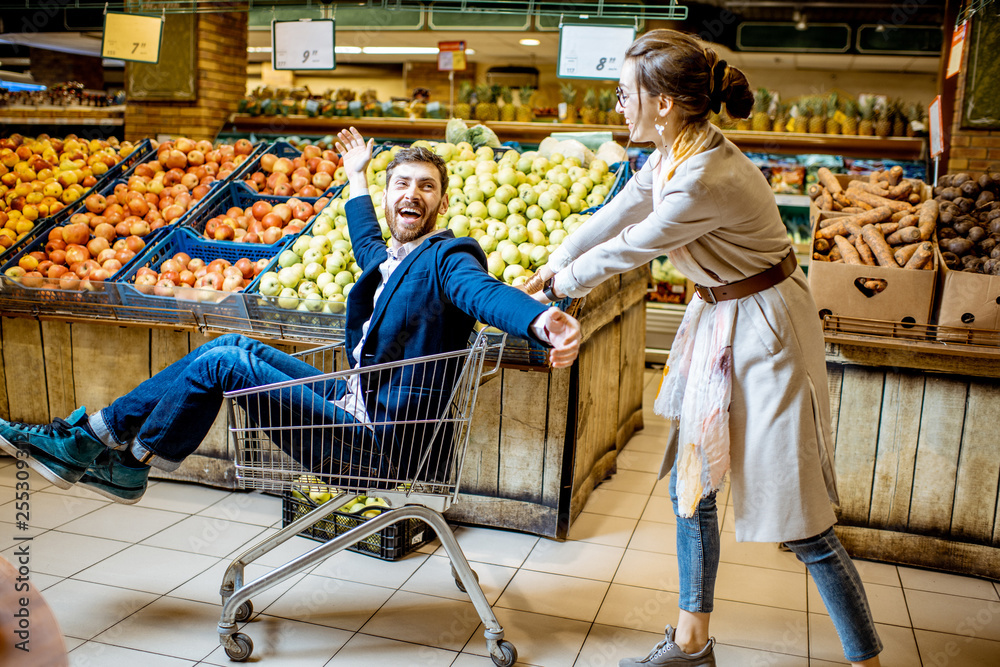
(110, 478)
(60, 452)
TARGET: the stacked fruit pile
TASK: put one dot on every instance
(262, 222)
(182, 270)
(39, 176)
(307, 175)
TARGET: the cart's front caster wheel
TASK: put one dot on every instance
(458, 580)
(241, 647)
(244, 611)
(508, 654)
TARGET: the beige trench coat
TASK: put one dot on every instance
(721, 208)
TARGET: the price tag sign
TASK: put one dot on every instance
(306, 44)
(132, 37)
(936, 128)
(451, 56)
(593, 51)
(955, 56)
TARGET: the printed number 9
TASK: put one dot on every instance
(305, 55)
(600, 64)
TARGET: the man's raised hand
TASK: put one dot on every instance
(564, 336)
(356, 153)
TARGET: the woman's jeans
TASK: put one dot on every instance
(165, 418)
(833, 571)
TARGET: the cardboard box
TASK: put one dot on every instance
(968, 301)
(839, 289)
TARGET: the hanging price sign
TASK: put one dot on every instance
(936, 127)
(451, 56)
(955, 55)
(132, 37)
(593, 51)
(306, 44)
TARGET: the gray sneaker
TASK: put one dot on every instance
(668, 653)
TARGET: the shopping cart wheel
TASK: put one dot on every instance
(509, 656)
(244, 647)
(458, 580)
(244, 611)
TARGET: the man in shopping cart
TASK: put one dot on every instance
(421, 295)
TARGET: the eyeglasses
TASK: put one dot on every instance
(622, 96)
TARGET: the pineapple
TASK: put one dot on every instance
(914, 114)
(568, 93)
(883, 121)
(832, 124)
(866, 127)
(507, 110)
(817, 121)
(486, 107)
(588, 112)
(604, 99)
(760, 120)
(898, 119)
(610, 102)
(850, 124)
(780, 118)
(523, 111)
(463, 109)
(800, 114)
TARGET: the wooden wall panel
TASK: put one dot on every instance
(559, 431)
(857, 438)
(120, 365)
(57, 349)
(482, 458)
(522, 434)
(24, 367)
(976, 484)
(902, 401)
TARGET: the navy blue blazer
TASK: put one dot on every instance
(429, 305)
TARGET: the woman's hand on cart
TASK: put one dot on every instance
(564, 336)
(356, 153)
(536, 283)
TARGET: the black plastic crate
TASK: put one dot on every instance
(391, 543)
(281, 149)
(188, 300)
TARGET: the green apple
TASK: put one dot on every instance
(601, 191)
(288, 258)
(529, 196)
(575, 203)
(511, 255)
(497, 210)
(323, 279)
(476, 209)
(331, 288)
(511, 156)
(524, 164)
(572, 162)
(548, 200)
(534, 179)
(538, 238)
(503, 243)
(476, 233)
(536, 225)
(307, 287)
(489, 188)
(512, 271)
(344, 278)
(534, 212)
(517, 233)
(335, 262)
(495, 264)
(550, 225)
(378, 502)
(456, 197)
(487, 242)
(486, 167)
(579, 189)
(459, 225)
(564, 209)
(594, 199)
(288, 299)
(556, 158)
(314, 302)
(559, 191)
(312, 255)
(322, 226)
(301, 244)
(516, 206)
(289, 276)
(600, 166)
(465, 169)
(576, 173)
(319, 497)
(269, 284)
(455, 209)
(507, 176)
(335, 235)
(552, 214)
(484, 153)
(313, 271)
(539, 166)
(474, 193)
(497, 230)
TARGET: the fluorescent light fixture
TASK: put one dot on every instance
(258, 49)
(529, 42)
(400, 50)
(347, 49)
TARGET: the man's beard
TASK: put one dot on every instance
(405, 234)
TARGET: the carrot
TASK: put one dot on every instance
(875, 200)
(927, 219)
(901, 191)
(820, 257)
(833, 226)
(921, 256)
(824, 202)
(904, 235)
(853, 209)
(895, 175)
(888, 228)
(875, 176)
(847, 250)
(883, 254)
(841, 199)
(836, 205)
(915, 198)
(835, 255)
(899, 215)
(864, 251)
(903, 255)
(826, 222)
(815, 190)
(836, 228)
(872, 188)
(853, 229)
(828, 180)
(908, 220)
(821, 245)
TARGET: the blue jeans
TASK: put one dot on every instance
(831, 568)
(166, 417)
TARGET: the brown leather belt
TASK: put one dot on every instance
(757, 283)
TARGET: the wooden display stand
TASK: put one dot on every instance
(916, 454)
(542, 440)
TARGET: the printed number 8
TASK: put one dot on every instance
(600, 64)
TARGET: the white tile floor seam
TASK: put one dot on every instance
(603, 594)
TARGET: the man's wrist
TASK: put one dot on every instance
(358, 186)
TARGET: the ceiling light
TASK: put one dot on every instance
(400, 50)
(801, 23)
(529, 42)
(258, 49)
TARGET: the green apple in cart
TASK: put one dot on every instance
(312, 255)
(289, 276)
(269, 284)
(331, 288)
(301, 244)
(313, 271)
(323, 225)
(314, 302)
(288, 299)
(381, 502)
(335, 262)
(288, 258)
(324, 279)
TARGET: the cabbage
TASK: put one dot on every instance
(610, 152)
(480, 136)
(456, 131)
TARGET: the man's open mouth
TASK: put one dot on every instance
(409, 214)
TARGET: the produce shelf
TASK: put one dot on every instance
(932, 338)
(897, 148)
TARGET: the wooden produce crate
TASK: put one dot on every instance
(543, 439)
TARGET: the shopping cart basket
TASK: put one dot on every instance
(410, 454)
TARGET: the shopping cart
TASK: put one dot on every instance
(410, 454)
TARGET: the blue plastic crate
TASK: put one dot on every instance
(624, 172)
(201, 302)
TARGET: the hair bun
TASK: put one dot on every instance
(716, 93)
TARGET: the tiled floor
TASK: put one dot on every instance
(138, 587)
